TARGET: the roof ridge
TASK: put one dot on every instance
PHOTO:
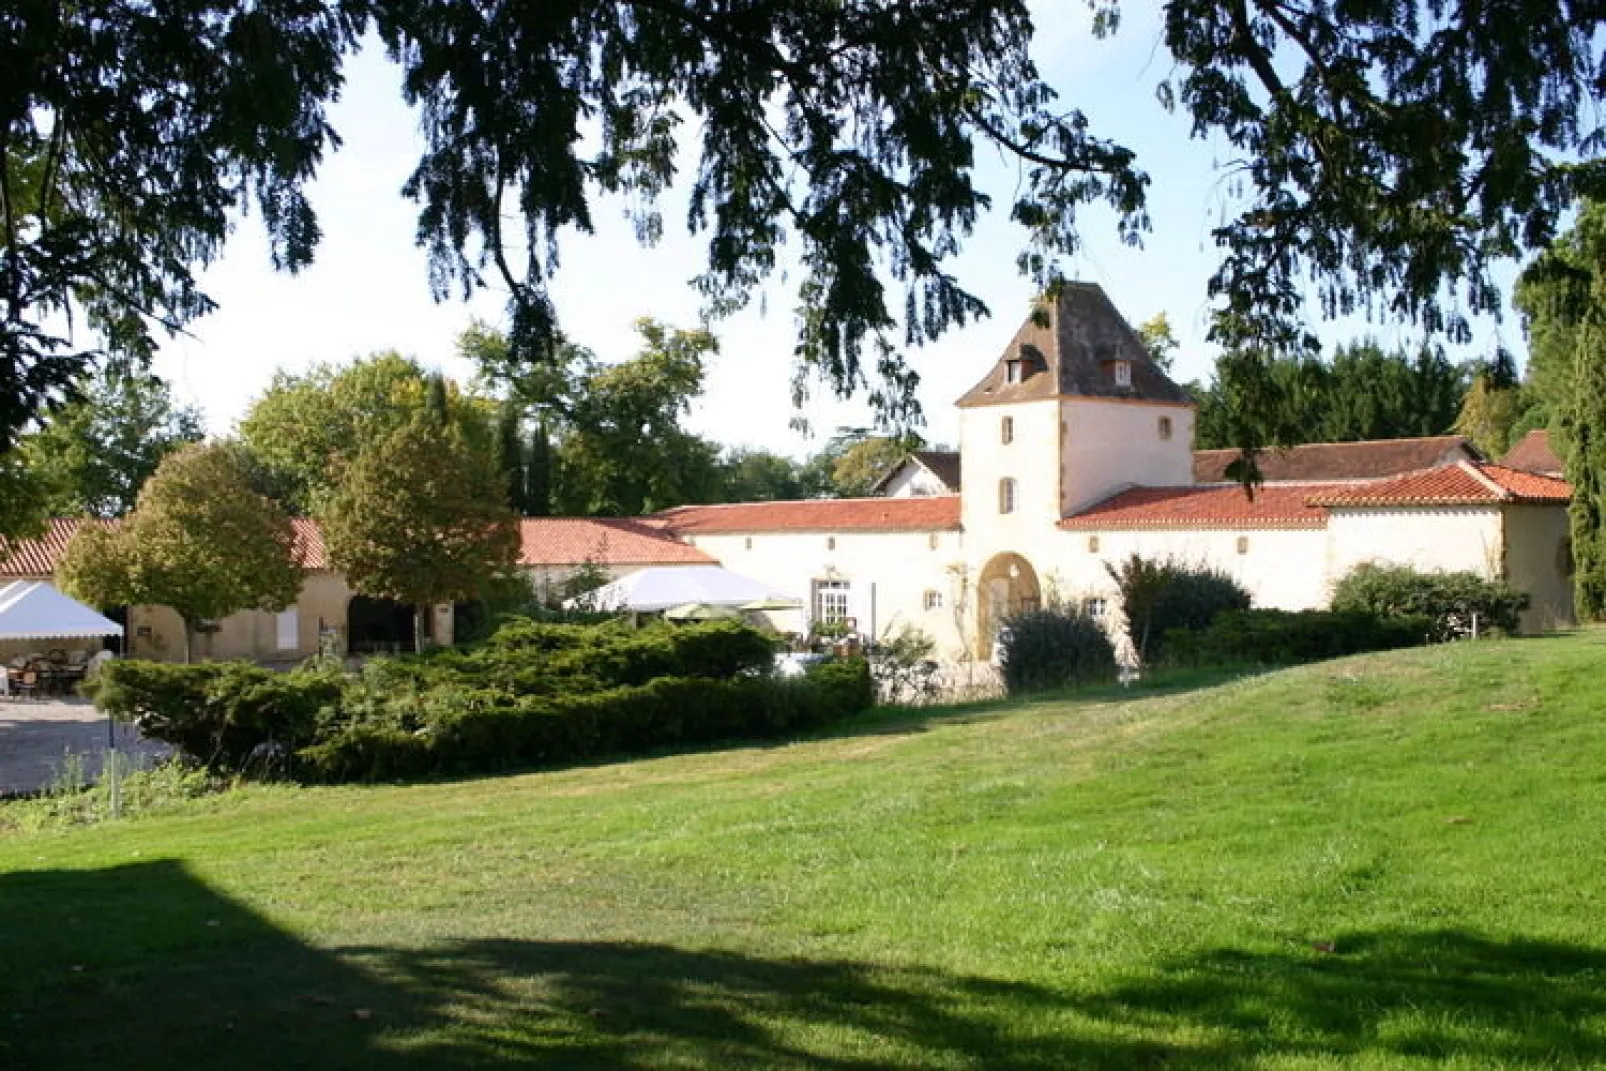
(1476, 472)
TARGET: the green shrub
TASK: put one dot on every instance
(1283, 637)
(1054, 648)
(467, 730)
(1452, 601)
(1158, 597)
(229, 715)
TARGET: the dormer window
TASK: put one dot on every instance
(1123, 373)
(1013, 372)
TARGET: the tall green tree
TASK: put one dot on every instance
(538, 472)
(1392, 151)
(510, 458)
(95, 453)
(422, 518)
(306, 427)
(752, 475)
(1492, 406)
(200, 540)
(1562, 295)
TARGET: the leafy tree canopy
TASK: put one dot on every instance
(420, 517)
(1390, 151)
(1159, 339)
(96, 452)
(307, 426)
(200, 540)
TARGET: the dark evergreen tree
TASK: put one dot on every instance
(510, 457)
(1584, 424)
(538, 474)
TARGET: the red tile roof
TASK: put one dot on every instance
(1533, 453)
(1369, 460)
(39, 557)
(1464, 484)
(603, 540)
(929, 514)
(1230, 506)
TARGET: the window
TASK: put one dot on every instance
(1123, 373)
(1165, 427)
(1012, 372)
(1092, 544)
(1006, 495)
(830, 601)
(1243, 544)
(933, 600)
(830, 542)
(1006, 430)
(932, 541)
(1095, 608)
(287, 629)
(747, 544)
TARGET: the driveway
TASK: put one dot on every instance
(36, 735)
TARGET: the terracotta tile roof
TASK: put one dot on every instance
(1073, 353)
(1466, 483)
(1228, 506)
(39, 557)
(1533, 453)
(929, 514)
(1370, 460)
(604, 540)
(308, 548)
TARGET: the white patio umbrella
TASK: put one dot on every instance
(662, 588)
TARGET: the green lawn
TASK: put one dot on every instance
(1388, 861)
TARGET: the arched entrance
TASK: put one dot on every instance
(1008, 586)
(378, 626)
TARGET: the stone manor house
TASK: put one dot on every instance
(1075, 451)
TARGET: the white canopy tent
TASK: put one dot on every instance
(33, 610)
(663, 588)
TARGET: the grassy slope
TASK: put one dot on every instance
(1387, 861)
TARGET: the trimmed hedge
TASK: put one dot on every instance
(1283, 637)
(229, 715)
(1452, 601)
(535, 694)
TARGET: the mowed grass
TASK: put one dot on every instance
(1387, 861)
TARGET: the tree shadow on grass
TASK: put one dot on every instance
(144, 966)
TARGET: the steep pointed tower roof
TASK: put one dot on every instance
(1076, 351)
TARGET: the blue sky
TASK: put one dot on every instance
(368, 289)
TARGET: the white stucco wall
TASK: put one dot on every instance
(1108, 445)
(1279, 567)
(1538, 561)
(1450, 539)
(888, 574)
(913, 480)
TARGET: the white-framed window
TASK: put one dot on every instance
(1165, 427)
(933, 599)
(1006, 430)
(1006, 495)
(287, 629)
(831, 601)
(1123, 373)
(1095, 607)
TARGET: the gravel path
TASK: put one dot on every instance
(36, 735)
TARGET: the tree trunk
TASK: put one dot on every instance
(418, 628)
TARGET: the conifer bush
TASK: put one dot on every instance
(1054, 648)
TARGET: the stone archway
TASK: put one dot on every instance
(1007, 586)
